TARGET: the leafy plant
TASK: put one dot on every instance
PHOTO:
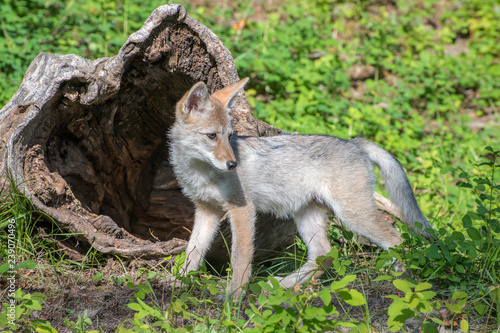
(421, 78)
(281, 310)
(80, 325)
(417, 302)
(17, 314)
(459, 252)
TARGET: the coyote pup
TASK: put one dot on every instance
(299, 176)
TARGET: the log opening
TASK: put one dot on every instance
(87, 139)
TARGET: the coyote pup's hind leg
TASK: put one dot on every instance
(312, 226)
(358, 212)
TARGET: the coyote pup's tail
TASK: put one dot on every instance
(397, 186)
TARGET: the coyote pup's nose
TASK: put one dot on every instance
(231, 165)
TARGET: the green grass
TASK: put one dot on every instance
(421, 78)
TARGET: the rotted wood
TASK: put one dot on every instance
(86, 140)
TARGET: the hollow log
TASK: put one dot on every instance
(86, 140)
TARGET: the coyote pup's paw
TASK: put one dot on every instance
(286, 282)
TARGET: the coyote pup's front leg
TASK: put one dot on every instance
(206, 223)
(242, 221)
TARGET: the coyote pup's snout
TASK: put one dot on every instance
(231, 165)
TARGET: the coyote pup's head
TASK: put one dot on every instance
(206, 124)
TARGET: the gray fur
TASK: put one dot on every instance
(298, 176)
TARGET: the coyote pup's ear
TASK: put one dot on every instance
(227, 96)
(196, 99)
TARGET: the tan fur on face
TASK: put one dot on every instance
(222, 150)
(218, 123)
(210, 114)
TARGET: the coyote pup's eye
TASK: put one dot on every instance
(212, 136)
(230, 136)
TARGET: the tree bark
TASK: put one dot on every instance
(86, 140)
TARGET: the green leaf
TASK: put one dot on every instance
(434, 252)
(458, 295)
(145, 288)
(98, 276)
(467, 222)
(262, 299)
(43, 326)
(30, 264)
(402, 285)
(480, 307)
(34, 305)
(459, 268)
(464, 185)
(429, 328)
(266, 286)
(342, 283)
(474, 233)
(4, 268)
(464, 325)
(325, 296)
(457, 236)
(427, 295)
(482, 210)
(437, 321)
(213, 290)
(256, 288)
(423, 286)
(398, 314)
(140, 294)
(134, 306)
(352, 297)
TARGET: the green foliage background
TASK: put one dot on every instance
(420, 78)
(417, 97)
